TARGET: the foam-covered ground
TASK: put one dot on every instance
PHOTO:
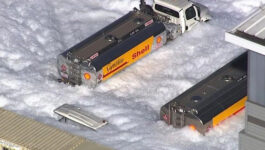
(34, 32)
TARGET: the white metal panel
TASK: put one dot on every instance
(255, 130)
(256, 110)
(80, 116)
(256, 47)
(248, 142)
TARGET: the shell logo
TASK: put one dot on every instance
(87, 76)
(158, 40)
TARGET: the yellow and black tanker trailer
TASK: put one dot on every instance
(212, 100)
(112, 49)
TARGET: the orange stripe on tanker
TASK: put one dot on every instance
(238, 106)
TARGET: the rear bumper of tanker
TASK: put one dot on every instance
(74, 73)
(174, 118)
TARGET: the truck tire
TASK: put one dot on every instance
(173, 31)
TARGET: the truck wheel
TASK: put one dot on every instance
(172, 31)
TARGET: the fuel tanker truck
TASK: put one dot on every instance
(127, 40)
(212, 100)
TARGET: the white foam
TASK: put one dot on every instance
(33, 33)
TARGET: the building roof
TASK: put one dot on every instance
(19, 132)
(250, 34)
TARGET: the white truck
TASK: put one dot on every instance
(184, 13)
(127, 40)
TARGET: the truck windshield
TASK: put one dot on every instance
(190, 13)
(167, 10)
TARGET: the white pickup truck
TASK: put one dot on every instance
(184, 13)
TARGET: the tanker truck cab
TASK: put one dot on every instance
(182, 12)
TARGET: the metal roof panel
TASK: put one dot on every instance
(250, 34)
(29, 134)
(262, 34)
(251, 21)
(256, 28)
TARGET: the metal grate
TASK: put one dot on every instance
(178, 118)
(74, 73)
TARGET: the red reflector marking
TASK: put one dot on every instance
(239, 110)
(165, 117)
(94, 56)
(99, 76)
(105, 75)
(63, 68)
(149, 22)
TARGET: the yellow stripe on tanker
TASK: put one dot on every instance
(128, 58)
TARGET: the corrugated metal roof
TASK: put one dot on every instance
(30, 134)
(250, 34)
(255, 25)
